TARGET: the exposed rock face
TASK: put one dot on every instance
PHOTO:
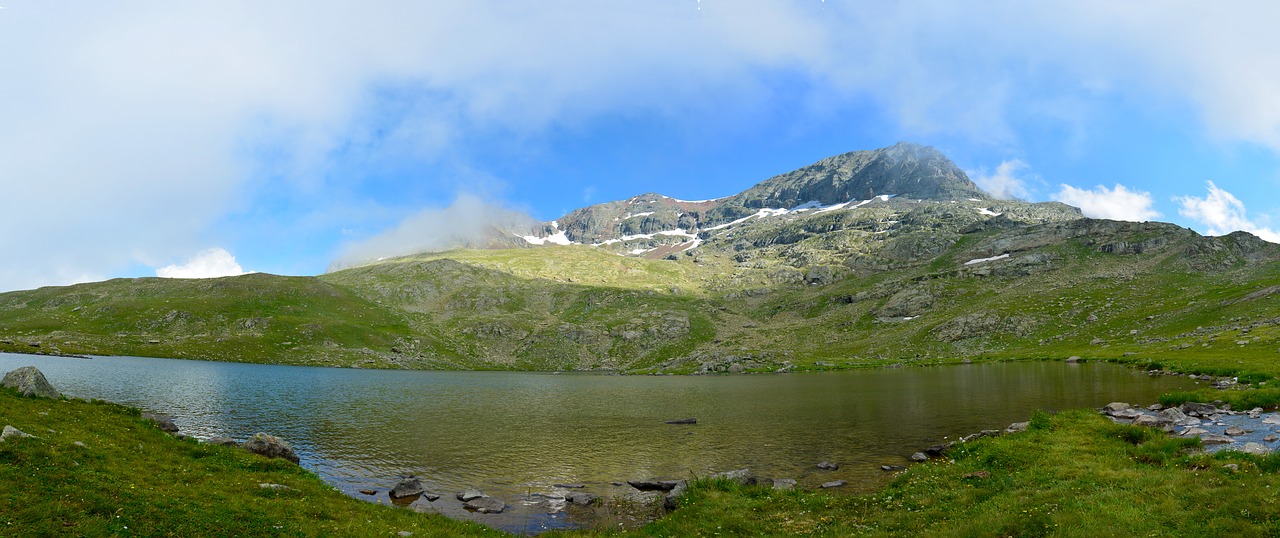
(270, 446)
(29, 381)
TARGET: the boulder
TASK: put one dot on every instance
(1235, 431)
(833, 484)
(919, 456)
(1114, 407)
(1257, 449)
(1017, 427)
(29, 381)
(891, 468)
(580, 497)
(655, 485)
(1153, 421)
(10, 431)
(1191, 432)
(164, 422)
(277, 487)
(1173, 414)
(1073, 359)
(470, 494)
(1272, 419)
(828, 466)
(409, 487)
(485, 505)
(224, 441)
(1271, 438)
(1213, 439)
(741, 476)
(670, 500)
(783, 484)
(1197, 409)
(270, 446)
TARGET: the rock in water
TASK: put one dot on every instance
(470, 494)
(164, 422)
(828, 466)
(409, 487)
(690, 420)
(29, 381)
(579, 497)
(10, 431)
(783, 484)
(270, 446)
(654, 485)
(485, 505)
(833, 484)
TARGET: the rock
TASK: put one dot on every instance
(1192, 432)
(1073, 359)
(1231, 467)
(741, 476)
(29, 381)
(977, 474)
(1235, 431)
(164, 422)
(1197, 409)
(10, 431)
(828, 466)
(368, 492)
(783, 484)
(404, 534)
(941, 448)
(224, 441)
(1273, 418)
(430, 497)
(655, 485)
(1152, 421)
(1212, 439)
(1173, 414)
(79, 444)
(1017, 427)
(470, 494)
(485, 505)
(1257, 449)
(689, 420)
(670, 501)
(571, 486)
(580, 497)
(409, 487)
(270, 446)
(919, 456)
(1127, 414)
(1115, 407)
(278, 487)
(1271, 438)
(833, 484)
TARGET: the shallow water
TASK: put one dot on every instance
(515, 435)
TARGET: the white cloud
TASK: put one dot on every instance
(106, 134)
(211, 263)
(1222, 213)
(1117, 203)
(1004, 184)
(468, 222)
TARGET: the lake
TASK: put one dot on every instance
(515, 435)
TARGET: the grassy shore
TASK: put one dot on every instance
(1073, 474)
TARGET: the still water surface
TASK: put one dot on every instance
(515, 435)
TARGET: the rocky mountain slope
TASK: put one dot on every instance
(879, 257)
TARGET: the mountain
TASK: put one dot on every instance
(881, 257)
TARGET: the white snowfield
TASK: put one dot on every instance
(988, 211)
(559, 238)
(984, 260)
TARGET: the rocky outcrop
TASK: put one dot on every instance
(270, 446)
(29, 381)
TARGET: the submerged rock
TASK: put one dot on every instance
(270, 446)
(470, 494)
(29, 381)
(828, 466)
(485, 505)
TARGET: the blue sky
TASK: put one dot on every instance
(140, 139)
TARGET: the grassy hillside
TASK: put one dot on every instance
(810, 292)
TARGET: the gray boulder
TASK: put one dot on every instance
(409, 487)
(470, 494)
(580, 497)
(833, 484)
(828, 466)
(1235, 431)
(1197, 409)
(1257, 449)
(670, 500)
(919, 456)
(783, 484)
(164, 422)
(10, 431)
(29, 381)
(270, 446)
(1115, 407)
(741, 476)
(1213, 439)
(655, 485)
(485, 505)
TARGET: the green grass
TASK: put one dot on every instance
(129, 478)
